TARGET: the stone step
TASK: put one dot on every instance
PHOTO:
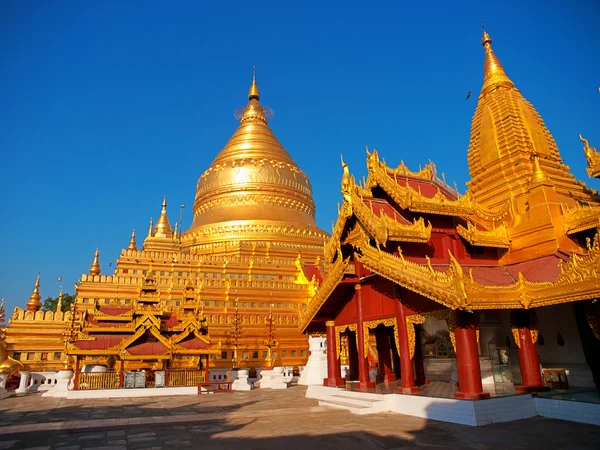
(353, 408)
(360, 395)
(368, 403)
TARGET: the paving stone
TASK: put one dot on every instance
(140, 439)
(92, 436)
(7, 444)
(67, 446)
(115, 433)
(118, 442)
(122, 447)
(140, 435)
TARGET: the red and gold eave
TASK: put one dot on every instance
(142, 332)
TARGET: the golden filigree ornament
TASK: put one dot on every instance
(496, 237)
(580, 218)
(388, 322)
(341, 329)
(446, 288)
(419, 319)
(593, 158)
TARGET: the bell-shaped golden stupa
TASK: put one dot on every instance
(254, 195)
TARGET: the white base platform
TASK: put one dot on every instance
(464, 412)
(132, 393)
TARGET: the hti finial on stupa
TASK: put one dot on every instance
(493, 72)
(95, 267)
(253, 93)
(132, 243)
(34, 303)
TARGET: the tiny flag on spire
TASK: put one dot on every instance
(59, 278)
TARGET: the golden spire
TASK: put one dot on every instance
(538, 176)
(59, 302)
(150, 228)
(505, 130)
(95, 267)
(163, 227)
(176, 231)
(253, 92)
(34, 303)
(493, 72)
(132, 243)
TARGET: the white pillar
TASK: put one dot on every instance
(316, 367)
(22, 389)
(3, 391)
(3, 378)
(61, 388)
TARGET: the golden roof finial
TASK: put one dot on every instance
(150, 228)
(493, 72)
(346, 176)
(95, 267)
(253, 93)
(34, 303)
(132, 243)
(163, 227)
(59, 302)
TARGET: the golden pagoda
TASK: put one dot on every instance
(253, 229)
(253, 197)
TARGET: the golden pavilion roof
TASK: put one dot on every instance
(253, 190)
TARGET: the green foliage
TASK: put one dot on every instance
(50, 303)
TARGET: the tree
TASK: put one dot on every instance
(50, 303)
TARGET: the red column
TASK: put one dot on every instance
(383, 351)
(531, 376)
(407, 373)
(467, 358)
(333, 364)
(363, 363)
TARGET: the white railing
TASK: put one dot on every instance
(41, 381)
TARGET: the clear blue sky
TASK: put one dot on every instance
(106, 106)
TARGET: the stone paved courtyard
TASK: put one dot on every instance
(260, 419)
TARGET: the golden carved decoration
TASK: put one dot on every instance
(580, 218)
(332, 279)
(515, 329)
(593, 158)
(496, 237)
(446, 288)
(418, 319)
(339, 330)
(388, 322)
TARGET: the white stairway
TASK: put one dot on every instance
(355, 402)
